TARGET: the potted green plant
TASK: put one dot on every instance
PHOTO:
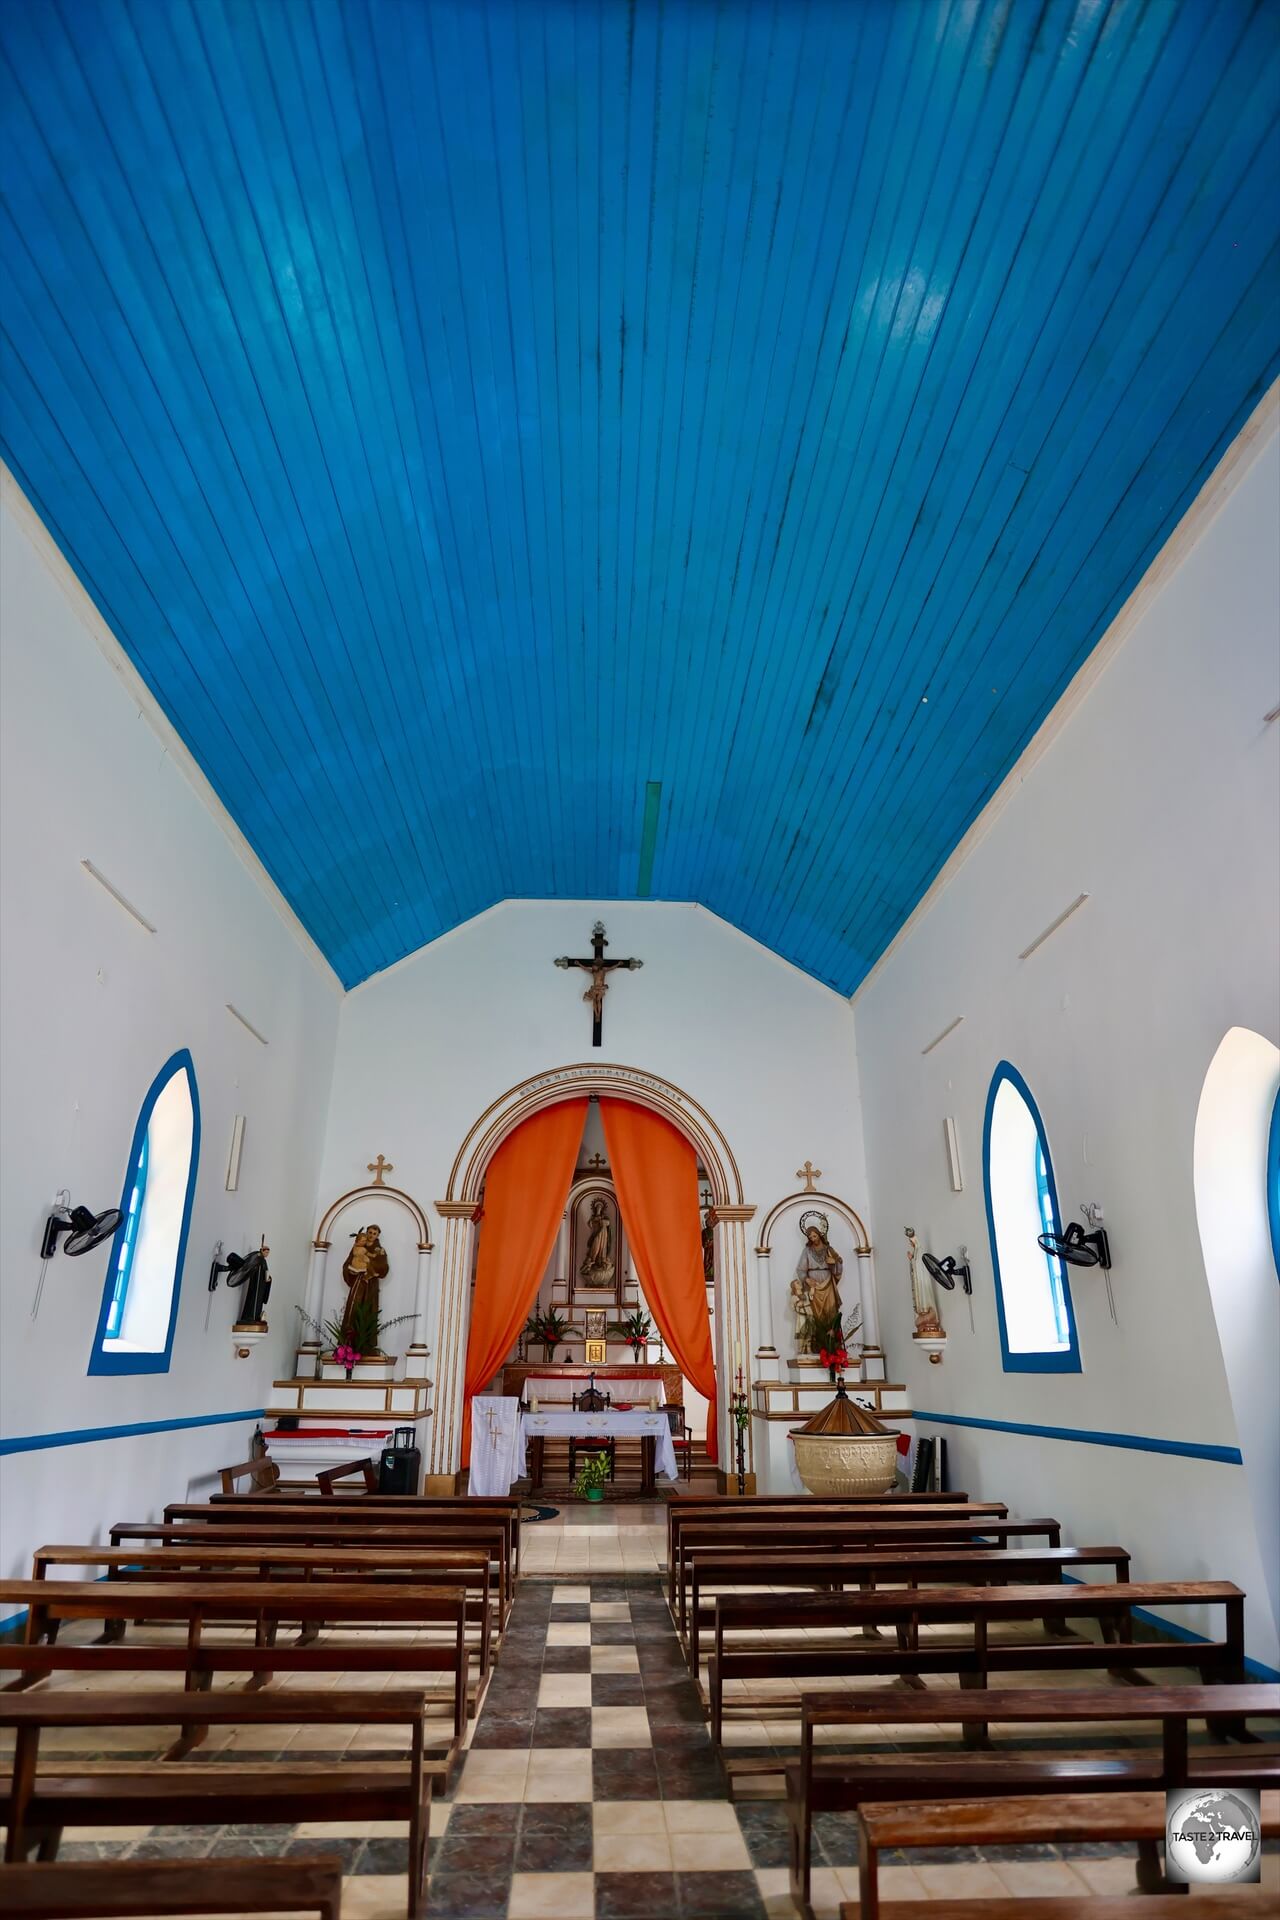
(592, 1475)
(546, 1330)
(636, 1330)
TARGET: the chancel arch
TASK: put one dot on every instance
(461, 1211)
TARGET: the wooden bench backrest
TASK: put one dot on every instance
(349, 1469)
(262, 1473)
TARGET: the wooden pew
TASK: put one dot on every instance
(490, 1536)
(833, 1536)
(954, 1566)
(977, 1609)
(357, 1510)
(349, 1469)
(467, 1568)
(784, 1514)
(265, 1603)
(432, 1505)
(829, 1782)
(122, 1889)
(679, 1504)
(38, 1803)
(1021, 1820)
(408, 1663)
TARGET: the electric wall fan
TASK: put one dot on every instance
(83, 1230)
(1078, 1248)
(947, 1272)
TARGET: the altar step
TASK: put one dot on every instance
(555, 1469)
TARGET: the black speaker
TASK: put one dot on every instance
(400, 1468)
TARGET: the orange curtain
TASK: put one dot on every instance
(525, 1191)
(655, 1171)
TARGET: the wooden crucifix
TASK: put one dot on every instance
(599, 968)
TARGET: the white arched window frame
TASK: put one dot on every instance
(144, 1272)
(1033, 1295)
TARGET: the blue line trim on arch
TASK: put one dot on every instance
(1068, 1361)
(1132, 1442)
(84, 1436)
(1273, 1182)
(101, 1358)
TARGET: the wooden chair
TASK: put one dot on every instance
(121, 1889)
(349, 1470)
(39, 1802)
(1020, 1820)
(825, 1782)
(681, 1439)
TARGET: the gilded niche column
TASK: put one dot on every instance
(734, 1316)
(451, 1342)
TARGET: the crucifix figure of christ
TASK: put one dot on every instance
(599, 968)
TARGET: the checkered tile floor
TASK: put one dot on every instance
(591, 1791)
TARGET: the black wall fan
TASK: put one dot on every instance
(83, 1230)
(947, 1272)
(1078, 1248)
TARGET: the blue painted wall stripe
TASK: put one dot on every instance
(1132, 1442)
(83, 1436)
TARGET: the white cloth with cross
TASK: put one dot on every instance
(497, 1445)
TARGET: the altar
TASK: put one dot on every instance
(508, 1445)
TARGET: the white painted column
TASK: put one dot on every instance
(452, 1323)
(314, 1296)
(766, 1352)
(734, 1317)
(418, 1356)
(870, 1304)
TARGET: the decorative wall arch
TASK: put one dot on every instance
(458, 1210)
(418, 1351)
(861, 1238)
(395, 1194)
(566, 1083)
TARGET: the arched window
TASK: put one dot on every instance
(144, 1272)
(1033, 1296)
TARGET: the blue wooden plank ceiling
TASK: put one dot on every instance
(469, 417)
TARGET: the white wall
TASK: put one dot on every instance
(91, 1006)
(1160, 797)
(424, 1048)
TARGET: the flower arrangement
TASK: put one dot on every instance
(828, 1338)
(546, 1330)
(361, 1340)
(636, 1330)
(592, 1475)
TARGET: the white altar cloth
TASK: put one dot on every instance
(590, 1426)
(497, 1447)
(640, 1388)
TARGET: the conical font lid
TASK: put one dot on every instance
(842, 1416)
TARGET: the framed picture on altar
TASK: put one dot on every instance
(597, 1323)
(596, 1351)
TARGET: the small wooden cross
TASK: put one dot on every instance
(597, 1161)
(380, 1166)
(599, 968)
(810, 1175)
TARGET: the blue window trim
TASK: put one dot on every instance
(101, 1358)
(1069, 1360)
(128, 1244)
(1273, 1182)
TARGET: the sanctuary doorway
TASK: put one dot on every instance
(602, 1246)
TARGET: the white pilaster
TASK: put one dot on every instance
(417, 1358)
